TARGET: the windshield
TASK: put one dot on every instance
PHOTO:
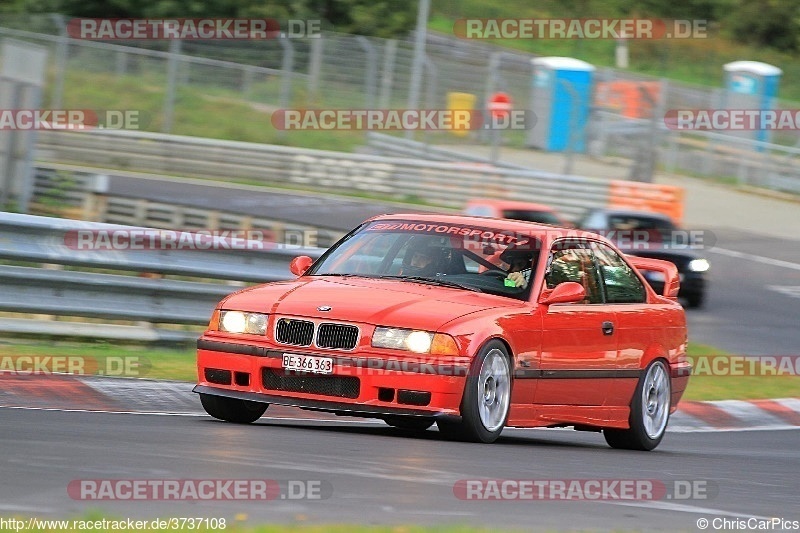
(460, 257)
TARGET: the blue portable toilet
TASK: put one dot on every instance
(752, 85)
(560, 97)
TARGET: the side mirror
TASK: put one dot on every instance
(564, 293)
(300, 265)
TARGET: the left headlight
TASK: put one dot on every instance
(699, 265)
(403, 339)
(241, 322)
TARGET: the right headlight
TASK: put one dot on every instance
(242, 322)
(416, 341)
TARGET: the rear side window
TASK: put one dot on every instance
(621, 283)
(572, 261)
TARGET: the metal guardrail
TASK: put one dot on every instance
(442, 183)
(111, 296)
(84, 193)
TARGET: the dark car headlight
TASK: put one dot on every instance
(699, 265)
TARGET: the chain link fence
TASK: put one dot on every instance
(174, 82)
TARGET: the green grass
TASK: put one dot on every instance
(200, 111)
(705, 387)
(179, 364)
(115, 359)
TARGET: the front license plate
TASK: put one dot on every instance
(308, 363)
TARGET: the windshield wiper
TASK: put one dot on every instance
(433, 281)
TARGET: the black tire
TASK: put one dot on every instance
(641, 435)
(492, 397)
(410, 423)
(232, 409)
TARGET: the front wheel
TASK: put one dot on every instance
(487, 397)
(649, 412)
(232, 409)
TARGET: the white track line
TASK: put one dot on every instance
(756, 258)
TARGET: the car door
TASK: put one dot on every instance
(579, 344)
(639, 325)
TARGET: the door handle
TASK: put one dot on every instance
(608, 328)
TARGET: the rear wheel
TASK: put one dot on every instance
(232, 409)
(411, 423)
(487, 397)
(649, 412)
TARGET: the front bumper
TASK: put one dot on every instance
(362, 384)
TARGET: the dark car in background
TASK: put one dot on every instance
(516, 210)
(654, 235)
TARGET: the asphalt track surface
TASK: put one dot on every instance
(373, 474)
(746, 314)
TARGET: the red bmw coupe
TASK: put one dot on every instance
(469, 323)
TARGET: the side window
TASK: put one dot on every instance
(574, 262)
(621, 283)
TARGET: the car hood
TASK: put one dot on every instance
(370, 301)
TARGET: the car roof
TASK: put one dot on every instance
(511, 204)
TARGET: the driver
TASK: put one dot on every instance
(520, 266)
(420, 260)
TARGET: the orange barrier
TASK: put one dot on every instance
(666, 199)
(627, 97)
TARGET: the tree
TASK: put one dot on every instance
(383, 18)
(773, 23)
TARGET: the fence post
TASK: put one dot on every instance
(370, 74)
(172, 75)
(287, 66)
(62, 49)
(495, 59)
(389, 55)
(430, 93)
(569, 153)
(419, 57)
(314, 65)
